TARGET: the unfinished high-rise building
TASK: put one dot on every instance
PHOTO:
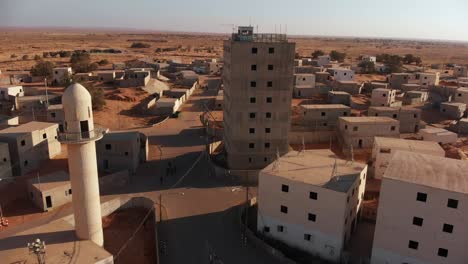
(258, 81)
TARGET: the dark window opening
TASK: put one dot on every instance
(284, 209)
(44, 136)
(447, 228)
(266, 229)
(271, 50)
(418, 221)
(253, 67)
(269, 84)
(280, 228)
(108, 146)
(452, 203)
(254, 50)
(23, 142)
(251, 145)
(413, 244)
(442, 252)
(422, 197)
(267, 130)
(252, 115)
(252, 130)
(313, 195)
(270, 67)
(267, 145)
(312, 217)
(269, 99)
(126, 153)
(268, 115)
(253, 84)
(252, 100)
(284, 188)
(307, 237)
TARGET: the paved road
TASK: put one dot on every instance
(200, 214)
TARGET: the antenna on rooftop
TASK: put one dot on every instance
(276, 163)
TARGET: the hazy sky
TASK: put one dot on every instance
(429, 19)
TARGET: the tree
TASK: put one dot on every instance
(338, 56)
(81, 62)
(64, 53)
(45, 54)
(37, 57)
(12, 56)
(43, 68)
(25, 57)
(317, 53)
(393, 62)
(103, 62)
(367, 66)
(410, 58)
(140, 45)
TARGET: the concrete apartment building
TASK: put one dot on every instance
(350, 87)
(119, 150)
(341, 74)
(383, 97)
(415, 97)
(460, 71)
(422, 211)
(323, 60)
(453, 110)
(50, 191)
(398, 79)
(304, 84)
(60, 74)
(439, 135)
(369, 58)
(30, 144)
(337, 97)
(409, 117)
(323, 116)
(304, 79)
(384, 149)
(258, 82)
(427, 79)
(5, 161)
(311, 200)
(359, 132)
(410, 87)
(9, 92)
(463, 126)
(55, 113)
(461, 95)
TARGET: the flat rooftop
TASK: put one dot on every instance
(339, 93)
(368, 119)
(304, 86)
(28, 127)
(315, 167)
(55, 107)
(121, 136)
(453, 104)
(347, 82)
(434, 130)
(304, 74)
(394, 109)
(427, 170)
(50, 181)
(409, 145)
(382, 90)
(324, 106)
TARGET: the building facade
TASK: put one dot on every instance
(258, 81)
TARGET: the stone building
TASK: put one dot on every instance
(311, 200)
(50, 191)
(427, 79)
(341, 74)
(258, 83)
(61, 75)
(398, 79)
(422, 211)
(384, 149)
(410, 118)
(453, 110)
(359, 132)
(5, 161)
(350, 87)
(439, 135)
(337, 97)
(383, 97)
(10, 92)
(30, 144)
(461, 95)
(460, 71)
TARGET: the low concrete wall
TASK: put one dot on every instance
(118, 179)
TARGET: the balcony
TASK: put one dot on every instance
(260, 37)
(83, 137)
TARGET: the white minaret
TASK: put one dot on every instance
(79, 133)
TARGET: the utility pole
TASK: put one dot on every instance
(160, 208)
(46, 93)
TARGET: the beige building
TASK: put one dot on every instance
(383, 97)
(427, 79)
(50, 191)
(453, 110)
(359, 132)
(258, 83)
(398, 79)
(350, 87)
(55, 113)
(440, 135)
(410, 87)
(323, 116)
(61, 74)
(337, 97)
(323, 60)
(415, 97)
(409, 117)
(385, 148)
(5, 161)
(341, 74)
(460, 71)
(461, 95)
(30, 144)
(422, 211)
(463, 126)
(311, 200)
(9, 92)
(119, 150)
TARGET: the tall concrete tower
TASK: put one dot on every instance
(79, 133)
(258, 82)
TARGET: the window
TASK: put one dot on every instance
(266, 229)
(284, 188)
(452, 203)
(313, 195)
(23, 142)
(323, 113)
(284, 209)
(252, 115)
(267, 145)
(25, 163)
(271, 50)
(413, 244)
(269, 84)
(346, 127)
(267, 130)
(253, 67)
(69, 191)
(422, 197)
(269, 99)
(415, 116)
(126, 153)
(384, 95)
(270, 67)
(253, 84)
(251, 145)
(52, 115)
(394, 115)
(4, 159)
(311, 217)
(252, 100)
(265, 159)
(307, 237)
(44, 136)
(252, 130)
(418, 221)
(355, 128)
(280, 228)
(392, 128)
(442, 252)
(250, 160)
(447, 228)
(345, 113)
(254, 50)
(268, 115)
(108, 146)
